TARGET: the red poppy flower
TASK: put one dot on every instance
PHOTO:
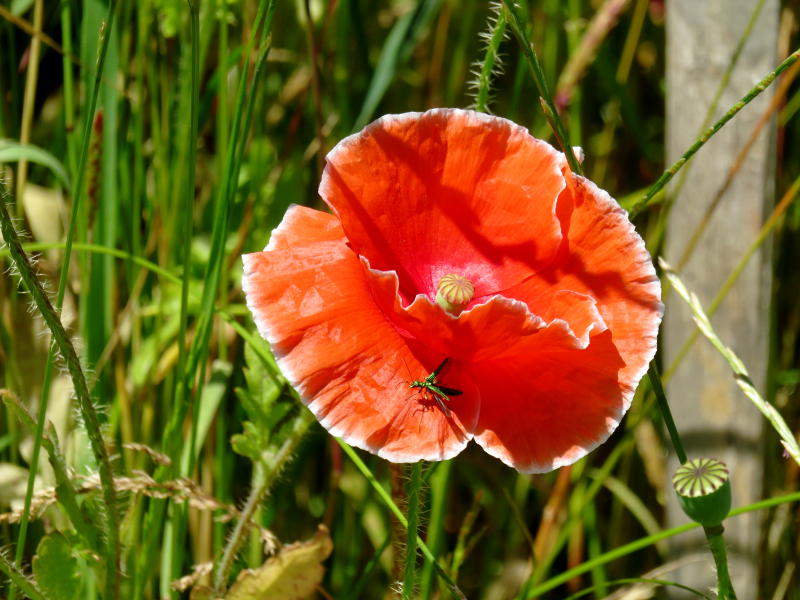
(456, 235)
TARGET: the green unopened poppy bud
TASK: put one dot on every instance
(454, 293)
(704, 490)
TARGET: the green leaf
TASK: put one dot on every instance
(270, 413)
(262, 390)
(212, 395)
(20, 7)
(293, 574)
(11, 151)
(56, 568)
(249, 443)
(401, 41)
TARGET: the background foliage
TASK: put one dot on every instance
(163, 140)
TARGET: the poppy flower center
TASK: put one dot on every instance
(454, 292)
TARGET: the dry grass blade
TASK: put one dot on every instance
(604, 20)
(737, 366)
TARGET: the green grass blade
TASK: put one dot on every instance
(663, 405)
(630, 500)
(647, 541)
(592, 533)
(628, 580)
(398, 46)
(11, 151)
(543, 566)
(173, 546)
(248, 337)
(435, 531)
(709, 133)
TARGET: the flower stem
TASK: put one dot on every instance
(666, 413)
(551, 113)
(717, 545)
(18, 578)
(390, 504)
(62, 287)
(88, 412)
(713, 534)
(412, 492)
(263, 479)
(491, 59)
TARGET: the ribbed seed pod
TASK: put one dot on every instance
(704, 490)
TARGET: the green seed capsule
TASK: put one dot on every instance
(454, 293)
(704, 490)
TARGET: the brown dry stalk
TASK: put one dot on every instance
(188, 581)
(28, 28)
(552, 514)
(158, 457)
(31, 82)
(601, 24)
(178, 490)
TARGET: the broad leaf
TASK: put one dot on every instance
(292, 574)
(56, 568)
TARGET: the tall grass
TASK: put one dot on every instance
(165, 138)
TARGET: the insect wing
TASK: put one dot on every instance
(440, 398)
(450, 391)
(432, 377)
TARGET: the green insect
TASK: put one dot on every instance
(432, 388)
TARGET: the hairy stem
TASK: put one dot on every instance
(541, 83)
(413, 490)
(261, 486)
(717, 545)
(494, 37)
(64, 344)
(62, 287)
(387, 500)
(19, 579)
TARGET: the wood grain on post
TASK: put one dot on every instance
(714, 417)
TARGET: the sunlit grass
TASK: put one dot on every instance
(167, 139)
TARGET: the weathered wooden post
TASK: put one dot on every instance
(714, 417)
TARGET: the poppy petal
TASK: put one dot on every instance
(571, 400)
(351, 367)
(550, 404)
(549, 390)
(604, 258)
(447, 191)
(489, 330)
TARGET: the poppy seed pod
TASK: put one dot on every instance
(704, 490)
(454, 293)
